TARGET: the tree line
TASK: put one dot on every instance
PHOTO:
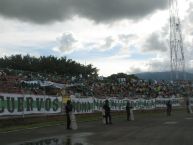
(48, 64)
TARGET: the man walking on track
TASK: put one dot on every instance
(107, 112)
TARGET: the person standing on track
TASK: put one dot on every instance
(188, 106)
(107, 110)
(68, 109)
(169, 107)
(129, 111)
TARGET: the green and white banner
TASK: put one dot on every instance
(90, 105)
(161, 102)
(83, 105)
(142, 104)
(117, 104)
(18, 104)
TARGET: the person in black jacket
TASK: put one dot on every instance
(107, 112)
(187, 105)
(169, 107)
(68, 109)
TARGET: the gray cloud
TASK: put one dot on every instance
(45, 11)
(155, 43)
(66, 42)
(108, 43)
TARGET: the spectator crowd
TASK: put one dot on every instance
(132, 88)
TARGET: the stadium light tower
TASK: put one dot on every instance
(176, 42)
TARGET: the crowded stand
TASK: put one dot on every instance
(22, 82)
(142, 89)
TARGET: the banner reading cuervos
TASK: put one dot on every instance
(19, 104)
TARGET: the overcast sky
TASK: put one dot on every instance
(128, 36)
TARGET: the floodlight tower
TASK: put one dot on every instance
(177, 60)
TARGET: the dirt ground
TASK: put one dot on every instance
(147, 129)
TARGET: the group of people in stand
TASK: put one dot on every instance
(106, 113)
